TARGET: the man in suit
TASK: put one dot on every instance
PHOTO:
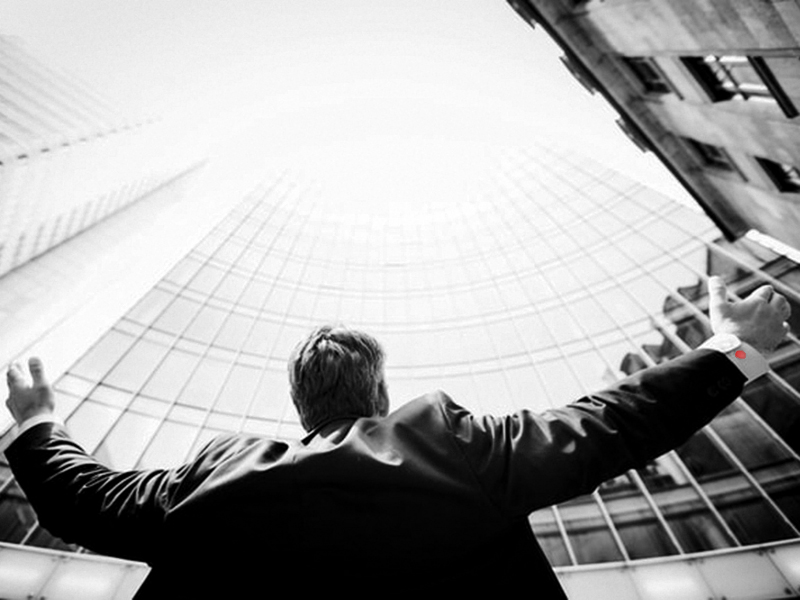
(427, 498)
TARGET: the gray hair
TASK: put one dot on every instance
(337, 372)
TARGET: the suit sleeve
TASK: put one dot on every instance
(526, 461)
(118, 513)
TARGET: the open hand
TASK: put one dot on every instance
(759, 320)
(25, 400)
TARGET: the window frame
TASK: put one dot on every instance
(780, 174)
(728, 88)
(666, 86)
(704, 152)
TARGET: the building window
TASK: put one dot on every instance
(712, 156)
(649, 75)
(738, 77)
(785, 177)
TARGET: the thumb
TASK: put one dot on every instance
(37, 372)
(717, 296)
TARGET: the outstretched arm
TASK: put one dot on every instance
(526, 461)
(75, 497)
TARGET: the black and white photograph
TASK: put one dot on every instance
(401, 297)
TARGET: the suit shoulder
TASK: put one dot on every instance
(430, 407)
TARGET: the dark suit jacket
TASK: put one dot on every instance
(430, 497)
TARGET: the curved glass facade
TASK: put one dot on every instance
(559, 278)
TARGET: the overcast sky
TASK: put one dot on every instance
(356, 78)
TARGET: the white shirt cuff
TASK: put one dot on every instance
(33, 421)
(747, 359)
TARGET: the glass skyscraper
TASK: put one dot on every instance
(558, 277)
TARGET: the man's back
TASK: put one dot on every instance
(391, 501)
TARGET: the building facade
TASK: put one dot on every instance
(713, 88)
(68, 157)
(560, 277)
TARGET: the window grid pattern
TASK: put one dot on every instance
(562, 277)
(67, 159)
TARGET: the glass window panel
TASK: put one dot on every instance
(149, 406)
(234, 331)
(476, 343)
(561, 279)
(703, 459)
(75, 386)
(150, 306)
(170, 446)
(183, 271)
(641, 533)
(133, 369)
(588, 533)
(187, 414)
(559, 382)
(207, 279)
(776, 406)
(250, 259)
(749, 441)
(537, 287)
(102, 356)
(744, 510)
(549, 537)
(608, 224)
(16, 515)
(171, 375)
(619, 304)
(526, 390)
(262, 337)
(533, 329)
(280, 300)
(304, 300)
(111, 396)
(591, 370)
(206, 324)
(289, 337)
(126, 441)
(255, 294)
(90, 422)
(749, 516)
(238, 390)
(612, 260)
(561, 324)
(231, 287)
(205, 382)
(586, 269)
(695, 527)
(228, 251)
(493, 393)
(272, 396)
(592, 317)
(487, 298)
(326, 308)
(505, 337)
(177, 315)
(649, 293)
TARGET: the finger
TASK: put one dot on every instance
(717, 294)
(763, 293)
(782, 305)
(37, 371)
(14, 376)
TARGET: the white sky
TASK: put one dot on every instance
(367, 91)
